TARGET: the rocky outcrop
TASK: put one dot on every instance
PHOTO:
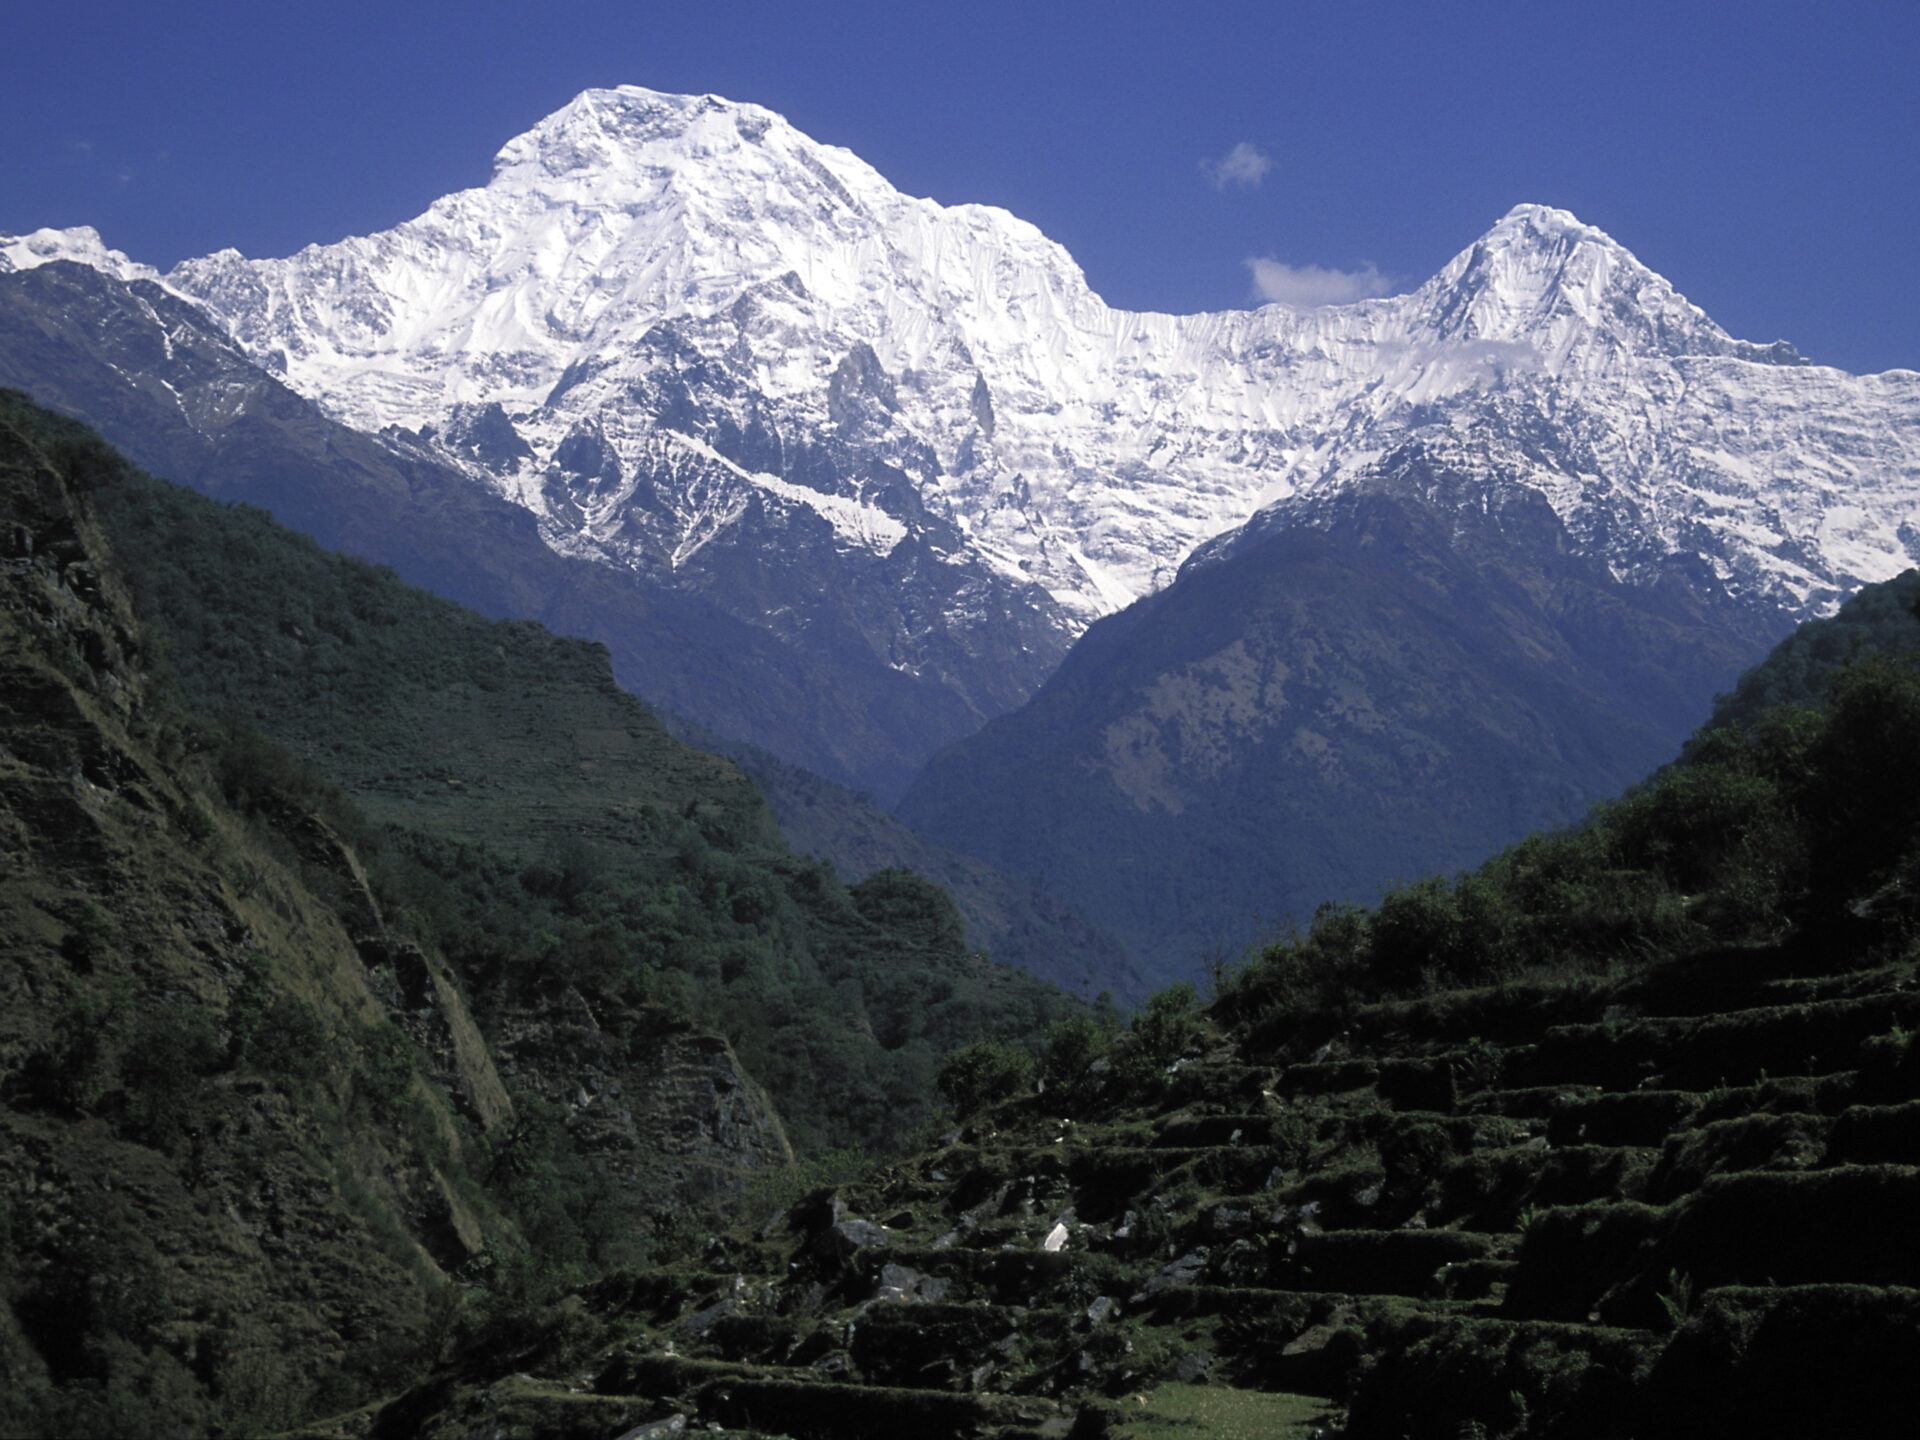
(666, 1111)
(420, 997)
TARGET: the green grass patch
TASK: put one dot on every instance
(1189, 1412)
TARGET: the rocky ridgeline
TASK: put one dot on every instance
(1672, 1205)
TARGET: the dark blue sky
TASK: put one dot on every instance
(1765, 158)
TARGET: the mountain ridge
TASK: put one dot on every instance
(1109, 444)
(99, 349)
(1322, 709)
(902, 457)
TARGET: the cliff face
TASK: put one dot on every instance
(667, 1113)
(247, 1129)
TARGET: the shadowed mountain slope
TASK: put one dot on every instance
(1386, 683)
(320, 1066)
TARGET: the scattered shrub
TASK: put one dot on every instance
(385, 1072)
(1073, 1044)
(1160, 1033)
(172, 1047)
(72, 1071)
(982, 1074)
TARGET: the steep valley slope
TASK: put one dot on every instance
(1397, 682)
(280, 1071)
(1616, 1136)
(160, 380)
(233, 1160)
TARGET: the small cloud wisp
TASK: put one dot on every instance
(1274, 281)
(1245, 165)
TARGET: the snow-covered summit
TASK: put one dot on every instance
(1542, 277)
(621, 210)
(675, 300)
(81, 244)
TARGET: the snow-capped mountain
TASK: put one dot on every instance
(696, 343)
(82, 244)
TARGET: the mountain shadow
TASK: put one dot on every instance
(1348, 692)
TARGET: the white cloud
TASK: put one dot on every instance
(1245, 165)
(1309, 285)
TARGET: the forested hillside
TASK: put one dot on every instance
(1027, 924)
(247, 1133)
(373, 970)
(535, 823)
(1616, 1135)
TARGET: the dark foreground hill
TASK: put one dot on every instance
(243, 1124)
(294, 1084)
(1618, 1135)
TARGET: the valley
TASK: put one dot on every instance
(691, 794)
(868, 484)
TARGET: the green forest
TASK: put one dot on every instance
(329, 681)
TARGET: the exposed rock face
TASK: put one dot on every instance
(666, 1112)
(419, 998)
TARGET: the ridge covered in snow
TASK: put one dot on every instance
(668, 319)
(82, 244)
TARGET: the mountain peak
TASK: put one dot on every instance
(1531, 219)
(602, 131)
(1543, 277)
(671, 284)
(81, 243)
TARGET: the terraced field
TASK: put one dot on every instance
(1677, 1204)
